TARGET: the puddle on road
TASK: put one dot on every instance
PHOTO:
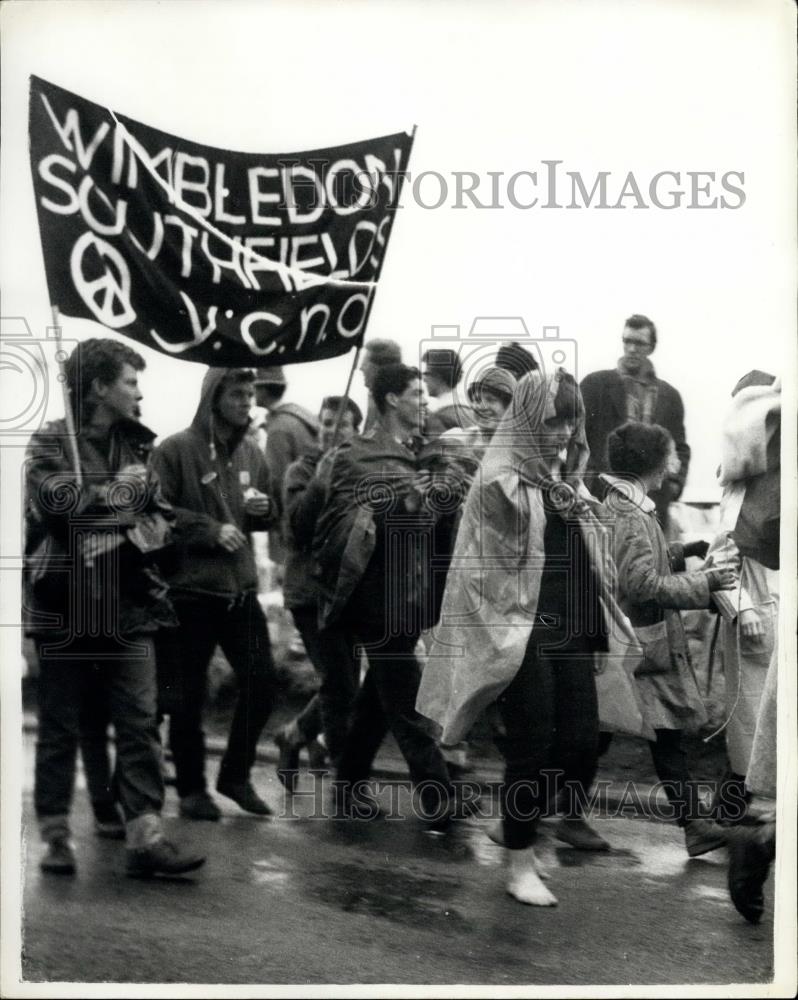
(394, 894)
(710, 892)
(570, 857)
(270, 871)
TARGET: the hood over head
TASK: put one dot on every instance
(494, 379)
(204, 418)
(522, 444)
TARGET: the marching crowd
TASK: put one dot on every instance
(508, 528)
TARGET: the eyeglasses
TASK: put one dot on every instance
(636, 341)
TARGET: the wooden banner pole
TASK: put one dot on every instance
(340, 415)
(68, 412)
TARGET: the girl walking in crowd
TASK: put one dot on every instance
(651, 594)
(526, 608)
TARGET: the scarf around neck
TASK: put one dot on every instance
(641, 390)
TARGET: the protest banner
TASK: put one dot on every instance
(209, 255)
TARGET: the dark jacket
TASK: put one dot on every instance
(303, 498)
(364, 519)
(291, 432)
(604, 397)
(84, 563)
(204, 479)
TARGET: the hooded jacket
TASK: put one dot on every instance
(204, 479)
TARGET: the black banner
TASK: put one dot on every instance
(220, 257)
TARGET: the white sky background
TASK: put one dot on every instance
(492, 87)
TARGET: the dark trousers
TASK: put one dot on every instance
(387, 701)
(339, 660)
(239, 627)
(128, 679)
(670, 764)
(549, 714)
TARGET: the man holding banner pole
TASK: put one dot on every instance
(95, 526)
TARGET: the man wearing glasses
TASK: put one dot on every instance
(632, 391)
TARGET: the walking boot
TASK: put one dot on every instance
(751, 852)
(60, 857)
(199, 805)
(576, 831)
(162, 858)
(524, 883)
(244, 795)
(702, 836)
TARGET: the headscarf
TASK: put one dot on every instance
(523, 446)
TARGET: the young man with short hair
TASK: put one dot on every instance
(632, 391)
(305, 490)
(95, 599)
(372, 548)
(377, 352)
(216, 478)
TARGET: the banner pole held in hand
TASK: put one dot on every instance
(340, 415)
(68, 413)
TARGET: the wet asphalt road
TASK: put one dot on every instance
(310, 900)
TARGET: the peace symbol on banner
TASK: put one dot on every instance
(102, 279)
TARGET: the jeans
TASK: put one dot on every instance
(128, 678)
(549, 714)
(386, 701)
(95, 717)
(239, 627)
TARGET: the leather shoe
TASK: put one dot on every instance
(199, 805)
(288, 761)
(702, 836)
(245, 796)
(162, 858)
(576, 831)
(60, 858)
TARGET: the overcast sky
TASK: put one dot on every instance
(619, 87)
